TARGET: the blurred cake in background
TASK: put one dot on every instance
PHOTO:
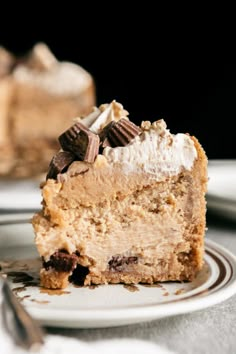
(39, 96)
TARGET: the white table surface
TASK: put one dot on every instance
(212, 330)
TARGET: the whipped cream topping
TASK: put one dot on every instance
(44, 71)
(155, 152)
(103, 115)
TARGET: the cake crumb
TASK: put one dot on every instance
(179, 291)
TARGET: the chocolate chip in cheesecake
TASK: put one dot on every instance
(59, 163)
(119, 263)
(121, 133)
(80, 141)
(62, 261)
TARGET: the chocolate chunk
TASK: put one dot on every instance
(81, 141)
(59, 163)
(122, 132)
(119, 263)
(104, 141)
(61, 261)
(105, 130)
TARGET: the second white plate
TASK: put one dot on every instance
(221, 195)
(22, 194)
(110, 305)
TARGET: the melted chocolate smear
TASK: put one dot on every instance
(25, 297)
(93, 286)
(131, 287)
(24, 271)
(41, 302)
(155, 285)
(22, 298)
(78, 285)
(20, 277)
(19, 289)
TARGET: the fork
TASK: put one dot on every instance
(24, 330)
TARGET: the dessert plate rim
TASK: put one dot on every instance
(149, 303)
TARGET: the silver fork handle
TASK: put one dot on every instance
(23, 329)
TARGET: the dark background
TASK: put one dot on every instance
(158, 65)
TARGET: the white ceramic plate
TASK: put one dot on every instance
(22, 194)
(221, 195)
(110, 305)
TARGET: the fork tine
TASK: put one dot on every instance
(19, 324)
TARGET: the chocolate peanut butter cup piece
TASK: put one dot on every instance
(80, 141)
(59, 163)
(122, 132)
(104, 141)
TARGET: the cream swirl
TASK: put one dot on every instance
(103, 115)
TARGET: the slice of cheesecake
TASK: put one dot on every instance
(122, 204)
(39, 96)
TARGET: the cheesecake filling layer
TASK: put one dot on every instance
(145, 233)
